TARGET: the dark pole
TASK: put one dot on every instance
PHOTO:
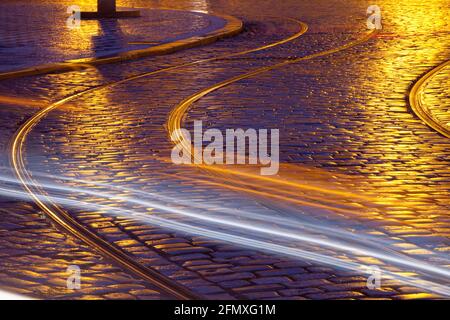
(106, 7)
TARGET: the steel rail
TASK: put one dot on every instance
(68, 223)
(417, 105)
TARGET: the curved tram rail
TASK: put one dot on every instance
(417, 105)
(66, 222)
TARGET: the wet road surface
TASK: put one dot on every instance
(344, 124)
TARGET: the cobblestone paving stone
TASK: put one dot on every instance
(368, 131)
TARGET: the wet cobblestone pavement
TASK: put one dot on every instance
(21, 48)
(343, 120)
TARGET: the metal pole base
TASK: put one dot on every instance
(90, 15)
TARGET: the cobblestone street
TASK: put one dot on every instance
(363, 181)
(21, 48)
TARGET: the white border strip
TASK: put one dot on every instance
(5, 295)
